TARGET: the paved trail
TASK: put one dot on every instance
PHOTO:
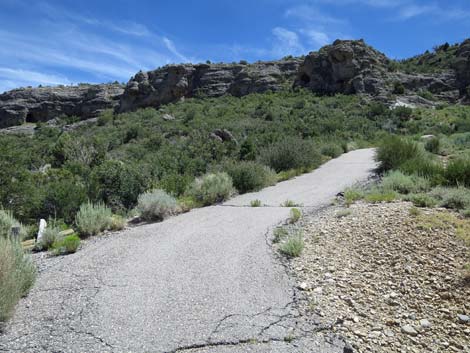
(205, 281)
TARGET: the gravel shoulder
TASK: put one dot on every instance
(387, 280)
(204, 281)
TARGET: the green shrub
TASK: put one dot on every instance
(295, 215)
(424, 167)
(250, 176)
(398, 88)
(288, 174)
(377, 195)
(454, 198)
(422, 200)
(466, 213)
(255, 203)
(50, 236)
(289, 203)
(92, 219)
(353, 194)
(7, 221)
(331, 150)
(291, 153)
(117, 184)
(156, 205)
(280, 233)
(17, 276)
(414, 211)
(433, 145)
(393, 151)
(211, 189)
(117, 223)
(293, 246)
(66, 245)
(458, 172)
(404, 184)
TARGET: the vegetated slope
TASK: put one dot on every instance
(346, 66)
(119, 157)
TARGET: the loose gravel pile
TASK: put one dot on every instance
(387, 280)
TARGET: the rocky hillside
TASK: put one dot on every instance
(351, 67)
(46, 103)
(348, 67)
(173, 82)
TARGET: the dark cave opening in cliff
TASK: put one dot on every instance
(30, 118)
(305, 78)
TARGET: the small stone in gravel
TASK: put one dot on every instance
(425, 324)
(389, 333)
(463, 318)
(303, 286)
(409, 330)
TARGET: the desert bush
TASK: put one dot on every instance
(398, 88)
(7, 221)
(404, 184)
(433, 145)
(293, 246)
(377, 195)
(291, 153)
(352, 194)
(250, 176)
(17, 276)
(280, 233)
(156, 205)
(458, 172)
(255, 203)
(117, 223)
(211, 188)
(454, 198)
(289, 203)
(422, 200)
(92, 219)
(393, 151)
(424, 167)
(50, 236)
(295, 215)
(414, 211)
(66, 245)
(331, 150)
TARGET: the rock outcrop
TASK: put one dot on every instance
(347, 66)
(173, 82)
(46, 103)
(351, 66)
(462, 67)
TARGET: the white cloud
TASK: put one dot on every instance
(312, 14)
(172, 48)
(287, 42)
(13, 78)
(317, 38)
(411, 11)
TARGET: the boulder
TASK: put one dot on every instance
(346, 66)
(352, 66)
(46, 103)
(174, 82)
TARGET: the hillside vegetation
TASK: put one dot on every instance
(52, 173)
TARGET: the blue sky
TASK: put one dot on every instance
(67, 42)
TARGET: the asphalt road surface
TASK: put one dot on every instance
(204, 281)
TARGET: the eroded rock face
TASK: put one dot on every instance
(351, 66)
(347, 66)
(462, 67)
(173, 82)
(46, 103)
